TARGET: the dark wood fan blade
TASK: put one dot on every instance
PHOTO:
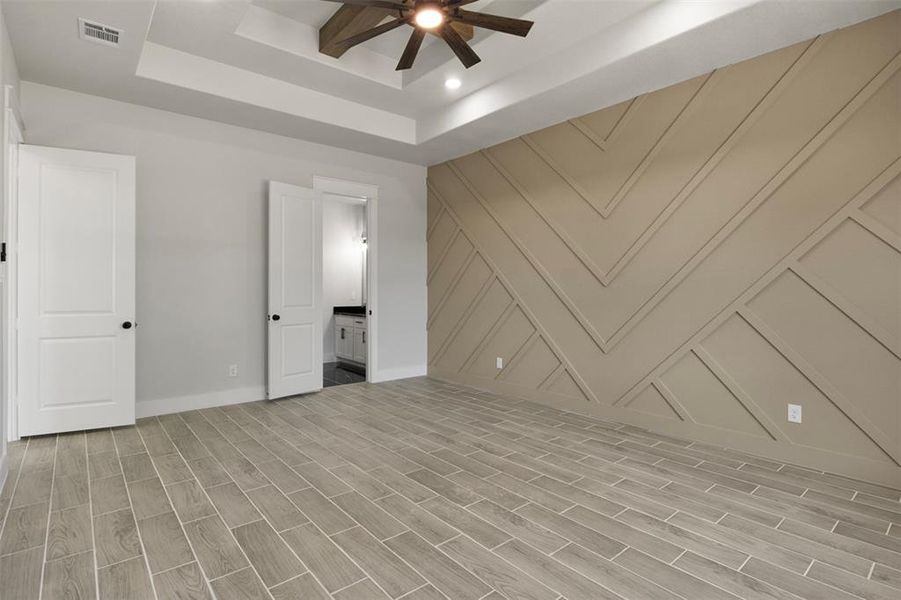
(466, 54)
(361, 37)
(413, 44)
(452, 3)
(376, 3)
(518, 27)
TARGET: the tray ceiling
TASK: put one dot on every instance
(256, 63)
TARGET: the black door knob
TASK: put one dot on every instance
(275, 317)
(126, 325)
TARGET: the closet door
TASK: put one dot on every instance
(76, 290)
(295, 290)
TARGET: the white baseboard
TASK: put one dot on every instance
(399, 373)
(165, 406)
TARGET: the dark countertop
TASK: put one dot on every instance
(357, 311)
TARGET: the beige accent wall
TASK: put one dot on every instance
(695, 259)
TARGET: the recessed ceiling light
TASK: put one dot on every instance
(429, 17)
(452, 83)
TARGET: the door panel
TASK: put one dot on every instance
(76, 289)
(297, 343)
(77, 211)
(359, 345)
(297, 250)
(77, 371)
(342, 339)
(295, 290)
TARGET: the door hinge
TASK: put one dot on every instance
(2, 251)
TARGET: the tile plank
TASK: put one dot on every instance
(417, 519)
(128, 579)
(268, 553)
(496, 572)
(677, 581)
(322, 557)
(442, 572)
(611, 575)
(552, 573)
(189, 500)
(478, 529)
(70, 533)
(304, 587)
(383, 566)
(321, 511)
(518, 526)
(20, 574)
(148, 498)
(214, 547)
(116, 537)
(185, 583)
(362, 590)
(743, 586)
(233, 505)
(369, 515)
(276, 508)
(164, 542)
(240, 585)
(70, 578)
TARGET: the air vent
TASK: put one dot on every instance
(99, 33)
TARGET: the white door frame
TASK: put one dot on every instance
(370, 193)
(12, 137)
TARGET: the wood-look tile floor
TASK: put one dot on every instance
(423, 490)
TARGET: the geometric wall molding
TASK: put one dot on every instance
(695, 258)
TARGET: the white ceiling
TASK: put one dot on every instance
(255, 63)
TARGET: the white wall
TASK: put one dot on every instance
(343, 223)
(9, 75)
(201, 269)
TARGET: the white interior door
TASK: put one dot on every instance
(76, 290)
(295, 290)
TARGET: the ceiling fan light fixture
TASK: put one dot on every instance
(442, 18)
(452, 83)
(429, 16)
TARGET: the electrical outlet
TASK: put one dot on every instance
(794, 413)
(232, 370)
(500, 362)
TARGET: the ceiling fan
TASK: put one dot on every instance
(433, 16)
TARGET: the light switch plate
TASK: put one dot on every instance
(500, 362)
(794, 413)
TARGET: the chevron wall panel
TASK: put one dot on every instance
(694, 259)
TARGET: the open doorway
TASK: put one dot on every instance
(346, 289)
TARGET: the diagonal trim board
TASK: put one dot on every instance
(606, 278)
(810, 233)
(738, 306)
(517, 301)
(607, 344)
(611, 205)
(597, 140)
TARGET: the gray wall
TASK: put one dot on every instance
(695, 259)
(201, 222)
